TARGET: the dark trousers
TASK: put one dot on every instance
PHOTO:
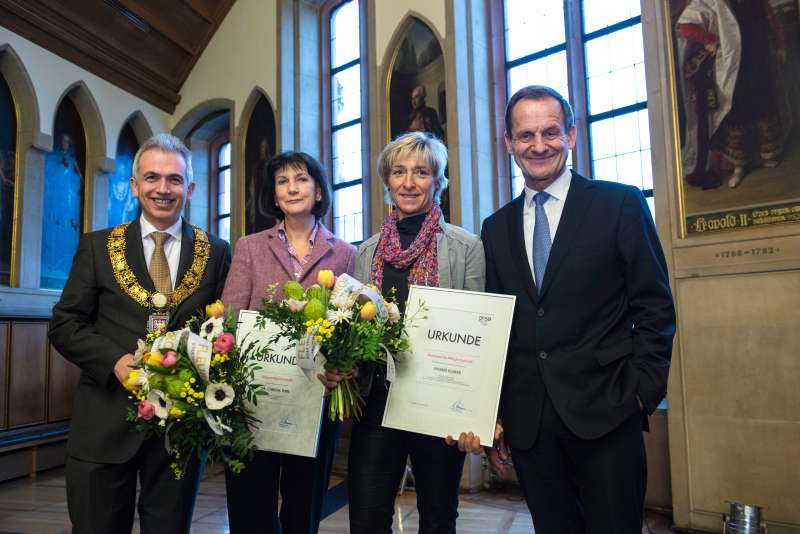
(376, 465)
(577, 486)
(102, 497)
(302, 482)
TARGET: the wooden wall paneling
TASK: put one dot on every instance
(27, 380)
(3, 374)
(62, 381)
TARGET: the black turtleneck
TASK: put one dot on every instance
(408, 228)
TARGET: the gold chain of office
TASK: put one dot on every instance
(128, 282)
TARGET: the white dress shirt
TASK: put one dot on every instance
(172, 246)
(552, 208)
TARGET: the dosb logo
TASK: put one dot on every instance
(484, 319)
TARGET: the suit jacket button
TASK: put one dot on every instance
(543, 355)
(540, 312)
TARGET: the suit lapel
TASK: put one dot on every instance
(578, 199)
(517, 246)
(280, 252)
(322, 245)
(185, 261)
(187, 251)
(134, 254)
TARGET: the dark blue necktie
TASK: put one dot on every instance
(541, 238)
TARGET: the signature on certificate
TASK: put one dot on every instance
(285, 422)
(458, 407)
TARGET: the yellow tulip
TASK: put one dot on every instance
(215, 309)
(153, 358)
(132, 382)
(325, 278)
(368, 311)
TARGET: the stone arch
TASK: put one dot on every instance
(250, 105)
(192, 119)
(390, 55)
(140, 126)
(93, 126)
(97, 162)
(30, 144)
(246, 178)
(198, 128)
(24, 94)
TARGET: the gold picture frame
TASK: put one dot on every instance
(735, 77)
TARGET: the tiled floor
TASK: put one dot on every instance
(38, 506)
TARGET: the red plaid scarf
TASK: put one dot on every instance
(421, 255)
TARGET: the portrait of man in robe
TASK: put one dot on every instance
(737, 64)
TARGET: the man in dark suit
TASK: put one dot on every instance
(592, 334)
(157, 270)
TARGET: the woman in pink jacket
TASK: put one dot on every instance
(297, 193)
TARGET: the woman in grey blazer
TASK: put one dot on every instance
(414, 246)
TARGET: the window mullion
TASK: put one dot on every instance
(576, 62)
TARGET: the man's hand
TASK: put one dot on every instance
(333, 377)
(498, 454)
(122, 367)
(467, 442)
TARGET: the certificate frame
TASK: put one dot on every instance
(452, 378)
(290, 415)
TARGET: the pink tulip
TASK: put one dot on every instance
(146, 410)
(224, 343)
(170, 359)
(295, 305)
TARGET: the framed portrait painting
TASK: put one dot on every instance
(259, 148)
(737, 90)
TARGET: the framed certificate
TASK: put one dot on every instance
(291, 412)
(451, 380)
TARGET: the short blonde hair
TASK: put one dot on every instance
(422, 145)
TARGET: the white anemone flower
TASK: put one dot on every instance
(339, 316)
(219, 396)
(161, 403)
(211, 328)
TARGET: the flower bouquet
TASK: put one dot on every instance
(341, 320)
(192, 386)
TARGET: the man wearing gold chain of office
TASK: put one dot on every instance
(153, 272)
